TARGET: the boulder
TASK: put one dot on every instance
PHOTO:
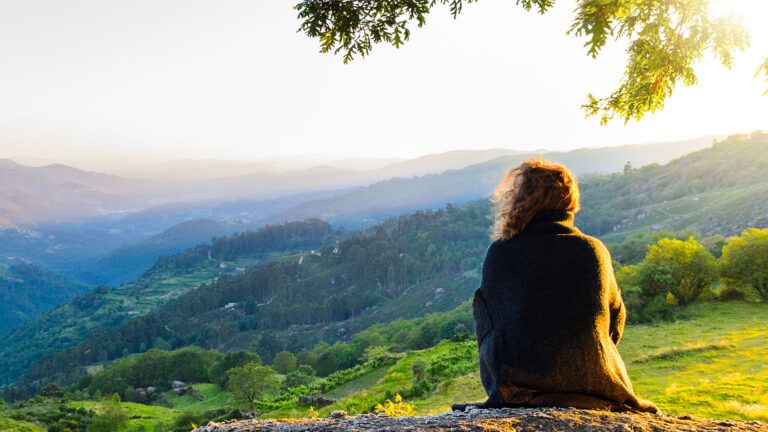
(510, 419)
(177, 384)
(317, 401)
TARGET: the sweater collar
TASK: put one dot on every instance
(552, 216)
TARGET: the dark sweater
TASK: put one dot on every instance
(548, 317)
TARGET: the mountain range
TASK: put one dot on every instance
(406, 266)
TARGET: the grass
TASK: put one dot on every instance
(141, 416)
(213, 397)
(727, 380)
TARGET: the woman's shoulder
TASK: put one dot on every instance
(593, 244)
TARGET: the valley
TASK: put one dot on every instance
(396, 271)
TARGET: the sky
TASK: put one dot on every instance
(198, 79)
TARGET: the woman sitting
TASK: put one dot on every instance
(548, 313)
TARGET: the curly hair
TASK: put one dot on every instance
(535, 185)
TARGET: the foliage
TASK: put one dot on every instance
(27, 290)
(665, 39)
(701, 190)
(218, 372)
(745, 260)
(154, 368)
(92, 314)
(251, 383)
(304, 375)
(396, 408)
(683, 268)
(285, 362)
(378, 356)
(111, 416)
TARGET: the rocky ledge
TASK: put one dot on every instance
(496, 420)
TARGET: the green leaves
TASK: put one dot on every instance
(763, 70)
(665, 39)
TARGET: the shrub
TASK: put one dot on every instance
(396, 408)
(745, 260)
(683, 268)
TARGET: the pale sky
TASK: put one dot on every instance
(233, 79)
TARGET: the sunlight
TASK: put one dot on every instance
(745, 8)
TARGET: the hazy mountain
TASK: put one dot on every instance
(129, 262)
(366, 205)
(30, 195)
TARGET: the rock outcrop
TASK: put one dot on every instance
(531, 420)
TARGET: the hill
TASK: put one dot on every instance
(370, 271)
(129, 262)
(367, 205)
(27, 290)
(30, 195)
(103, 308)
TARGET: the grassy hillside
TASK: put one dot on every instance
(711, 364)
(701, 190)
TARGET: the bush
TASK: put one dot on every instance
(285, 362)
(745, 261)
(396, 408)
(218, 372)
(683, 268)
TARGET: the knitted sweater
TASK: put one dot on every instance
(548, 317)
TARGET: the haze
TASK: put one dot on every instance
(202, 79)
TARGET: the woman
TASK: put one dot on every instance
(548, 313)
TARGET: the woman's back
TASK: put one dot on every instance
(549, 316)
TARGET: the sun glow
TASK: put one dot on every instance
(746, 8)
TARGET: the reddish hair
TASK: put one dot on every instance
(535, 185)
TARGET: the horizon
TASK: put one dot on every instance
(213, 88)
(299, 162)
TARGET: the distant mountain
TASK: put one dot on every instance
(31, 195)
(129, 262)
(366, 205)
(27, 290)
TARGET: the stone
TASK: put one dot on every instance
(177, 384)
(508, 419)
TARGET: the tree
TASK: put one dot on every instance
(665, 39)
(218, 372)
(51, 390)
(111, 416)
(745, 260)
(683, 268)
(285, 362)
(251, 383)
(304, 375)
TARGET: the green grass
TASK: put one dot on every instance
(718, 369)
(214, 397)
(145, 416)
